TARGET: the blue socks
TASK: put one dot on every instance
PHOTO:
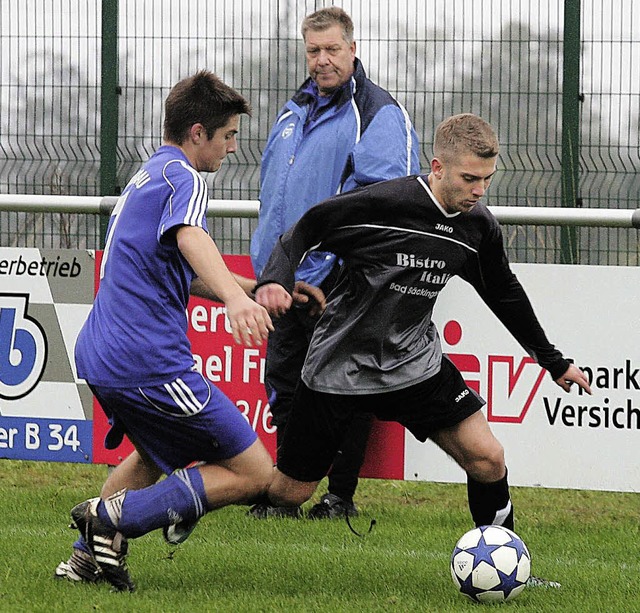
(82, 545)
(178, 498)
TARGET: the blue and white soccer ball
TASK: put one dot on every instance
(490, 564)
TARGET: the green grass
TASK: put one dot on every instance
(588, 541)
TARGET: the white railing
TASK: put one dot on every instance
(519, 215)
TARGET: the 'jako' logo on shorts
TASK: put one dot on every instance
(461, 395)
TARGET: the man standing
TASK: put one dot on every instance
(339, 131)
(375, 348)
(134, 352)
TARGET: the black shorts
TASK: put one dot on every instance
(315, 429)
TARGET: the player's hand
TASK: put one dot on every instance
(250, 322)
(574, 375)
(274, 298)
(311, 296)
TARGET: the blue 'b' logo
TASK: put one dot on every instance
(23, 347)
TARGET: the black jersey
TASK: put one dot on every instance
(400, 248)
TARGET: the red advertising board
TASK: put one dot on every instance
(239, 372)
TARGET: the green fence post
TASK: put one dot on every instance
(109, 105)
(570, 126)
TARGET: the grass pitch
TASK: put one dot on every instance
(588, 541)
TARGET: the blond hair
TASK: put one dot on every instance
(465, 132)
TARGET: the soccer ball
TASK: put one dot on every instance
(490, 564)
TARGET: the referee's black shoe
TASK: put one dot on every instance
(331, 507)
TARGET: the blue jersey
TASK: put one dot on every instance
(136, 332)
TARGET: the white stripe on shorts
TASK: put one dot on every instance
(183, 397)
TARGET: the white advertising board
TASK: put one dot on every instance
(551, 438)
(45, 410)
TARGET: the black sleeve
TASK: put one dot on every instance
(280, 267)
(321, 228)
(504, 295)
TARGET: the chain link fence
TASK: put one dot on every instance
(502, 60)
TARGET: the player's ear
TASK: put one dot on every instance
(197, 133)
(436, 167)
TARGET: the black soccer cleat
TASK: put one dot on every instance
(331, 507)
(108, 546)
(80, 567)
(540, 582)
(265, 511)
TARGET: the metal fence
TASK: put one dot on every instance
(82, 85)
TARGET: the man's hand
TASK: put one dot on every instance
(250, 323)
(307, 294)
(574, 375)
(274, 298)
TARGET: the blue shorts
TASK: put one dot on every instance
(176, 423)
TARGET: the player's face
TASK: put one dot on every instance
(212, 151)
(329, 58)
(459, 184)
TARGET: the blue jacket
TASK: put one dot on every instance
(363, 136)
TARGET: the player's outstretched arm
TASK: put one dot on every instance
(574, 375)
(247, 284)
(250, 322)
(275, 298)
(200, 289)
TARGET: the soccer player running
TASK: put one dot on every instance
(134, 352)
(327, 139)
(376, 348)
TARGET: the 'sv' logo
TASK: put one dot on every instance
(510, 390)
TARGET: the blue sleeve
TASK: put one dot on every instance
(188, 201)
(388, 149)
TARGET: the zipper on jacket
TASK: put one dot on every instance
(293, 157)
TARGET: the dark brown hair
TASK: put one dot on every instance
(202, 98)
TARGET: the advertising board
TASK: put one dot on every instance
(551, 438)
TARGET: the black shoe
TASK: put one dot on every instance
(539, 582)
(332, 506)
(80, 567)
(263, 511)
(108, 546)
